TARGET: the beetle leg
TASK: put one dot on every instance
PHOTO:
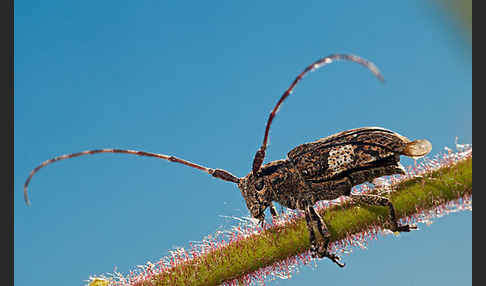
(319, 249)
(273, 211)
(312, 235)
(383, 201)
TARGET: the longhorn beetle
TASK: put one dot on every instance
(321, 170)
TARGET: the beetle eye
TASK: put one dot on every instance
(259, 185)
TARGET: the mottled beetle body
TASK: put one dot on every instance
(321, 170)
(328, 168)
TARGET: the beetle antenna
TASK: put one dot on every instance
(260, 154)
(218, 173)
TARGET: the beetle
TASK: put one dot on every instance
(321, 170)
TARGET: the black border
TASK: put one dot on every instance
(8, 119)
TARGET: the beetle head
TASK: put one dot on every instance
(254, 192)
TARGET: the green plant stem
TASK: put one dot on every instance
(280, 242)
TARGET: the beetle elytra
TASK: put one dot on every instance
(321, 170)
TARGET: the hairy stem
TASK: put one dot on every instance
(231, 262)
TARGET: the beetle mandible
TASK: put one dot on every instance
(321, 170)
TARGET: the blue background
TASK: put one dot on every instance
(197, 79)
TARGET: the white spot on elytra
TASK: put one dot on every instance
(340, 157)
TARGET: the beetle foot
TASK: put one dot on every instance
(274, 212)
(321, 252)
(404, 228)
(262, 223)
(336, 259)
